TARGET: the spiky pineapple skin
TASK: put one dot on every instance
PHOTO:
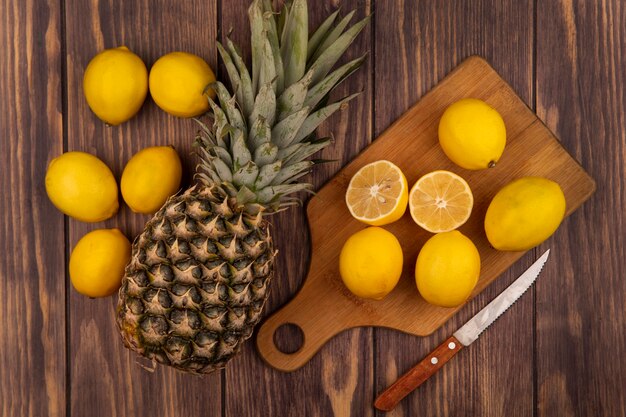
(197, 281)
(200, 271)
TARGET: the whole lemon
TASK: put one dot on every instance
(97, 262)
(472, 134)
(115, 84)
(447, 269)
(524, 213)
(82, 186)
(370, 263)
(178, 83)
(150, 177)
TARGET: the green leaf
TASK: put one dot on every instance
(287, 129)
(275, 192)
(285, 175)
(282, 19)
(259, 134)
(228, 104)
(208, 152)
(321, 89)
(333, 35)
(241, 153)
(294, 178)
(293, 97)
(294, 42)
(264, 106)
(306, 150)
(246, 83)
(223, 155)
(286, 153)
(208, 178)
(315, 119)
(205, 136)
(319, 161)
(222, 170)
(205, 158)
(233, 74)
(322, 65)
(245, 195)
(268, 7)
(267, 174)
(265, 154)
(246, 174)
(255, 14)
(269, 24)
(268, 69)
(320, 34)
(286, 203)
(220, 124)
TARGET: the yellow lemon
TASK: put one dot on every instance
(447, 269)
(440, 201)
(370, 263)
(97, 262)
(150, 177)
(472, 134)
(524, 213)
(178, 83)
(377, 193)
(115, 84)
(82, 186)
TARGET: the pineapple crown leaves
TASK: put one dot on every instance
(262, 133)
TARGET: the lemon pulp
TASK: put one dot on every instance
(377, 193)
(440, 201)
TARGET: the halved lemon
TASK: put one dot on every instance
(377, 193)
(440, 201)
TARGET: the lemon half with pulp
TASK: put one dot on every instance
(377, 193)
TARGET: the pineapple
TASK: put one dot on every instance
(200, 272)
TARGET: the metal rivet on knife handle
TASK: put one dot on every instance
(418, 374)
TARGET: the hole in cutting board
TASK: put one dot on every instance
(289, 338)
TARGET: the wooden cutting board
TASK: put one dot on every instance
(324, 306)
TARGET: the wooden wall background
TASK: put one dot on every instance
(559, 351)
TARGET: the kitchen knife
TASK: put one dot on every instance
(464, 336)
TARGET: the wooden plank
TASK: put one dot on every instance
(324, 307)
(339, 380)
(105, 377)
(581, 58)
(417, 43)
(32, 287)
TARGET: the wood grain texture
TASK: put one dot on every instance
(32, 265)
(324, 307)
(417, 43)
(579, 82)
(339, 380)
(105, 378)
(581, 313)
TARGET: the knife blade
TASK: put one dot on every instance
(464, 336)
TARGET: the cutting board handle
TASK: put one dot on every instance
(317, 329)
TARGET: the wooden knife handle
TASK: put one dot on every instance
(418, 374)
